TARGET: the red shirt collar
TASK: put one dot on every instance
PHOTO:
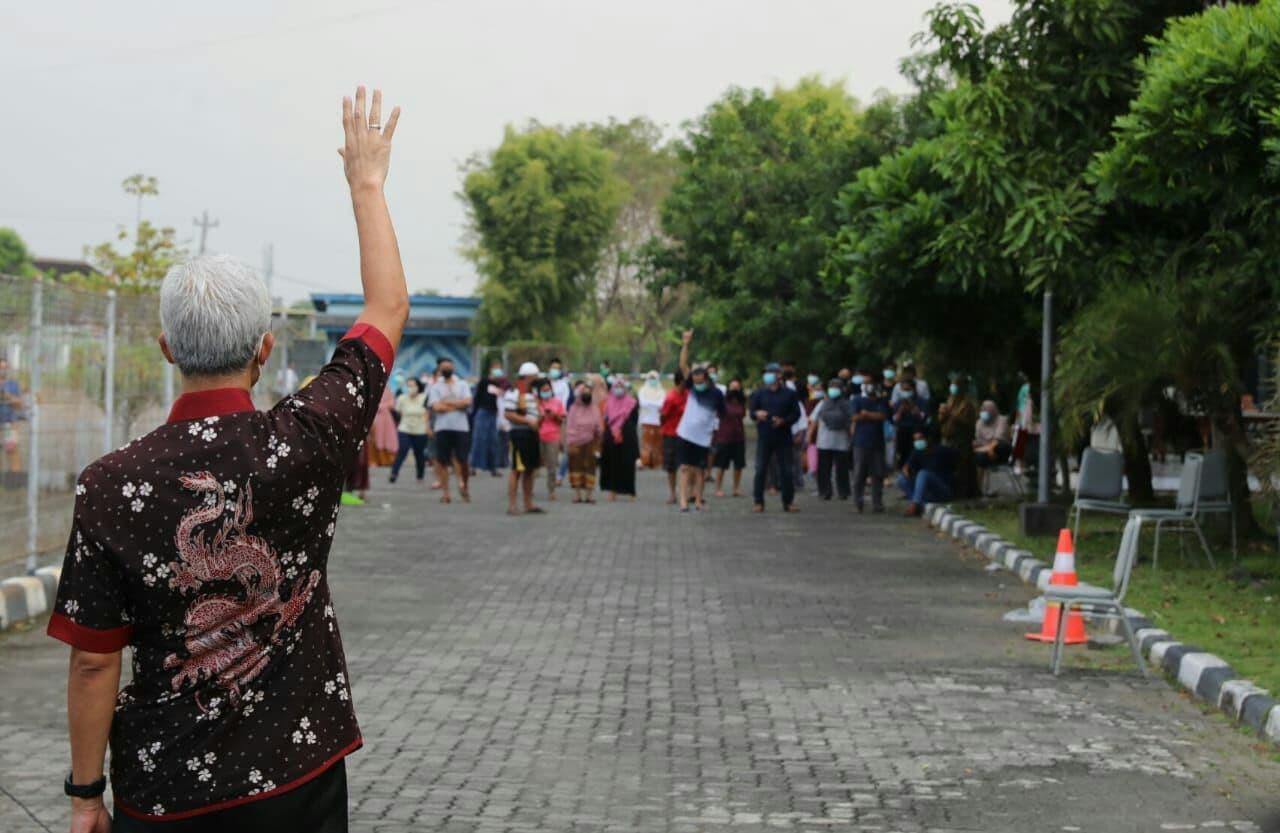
(207, 403)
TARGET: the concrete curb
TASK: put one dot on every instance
(28, 597)
(1205, 676)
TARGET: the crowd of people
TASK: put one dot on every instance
(845, 436)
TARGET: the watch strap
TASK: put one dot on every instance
(93, 790)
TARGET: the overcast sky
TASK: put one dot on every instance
(234, 105)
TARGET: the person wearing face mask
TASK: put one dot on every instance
(774, 408)
(992, 443)
(485, 455)
(564, 392)
(730, 439)
(713, 373)
(672, 412)
(550, 431)
(957, 420)
(928, 475)
(815, 394)
(888, 379)
(412, 405)
(703, 410)
(449, 398)
(869, 414)
(908, 417)
(583, 433)
(909, 381)
(651, 398)
(621, 442)
(521, 407)
(830, 429)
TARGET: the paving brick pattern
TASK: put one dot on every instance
(628, 668)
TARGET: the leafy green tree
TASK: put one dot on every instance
(14, 257)
(631, 311)
(751, 211)
(1196, 161)
(541, 207)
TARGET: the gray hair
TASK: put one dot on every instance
(214, 310)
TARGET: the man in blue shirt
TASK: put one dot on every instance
(929, 475)
(775, 408)
(869, 414)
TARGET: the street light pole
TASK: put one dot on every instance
(1046, 401)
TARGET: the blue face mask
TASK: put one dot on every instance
(817, 394)
(554, 373)
(544, 394)
(813, 380)
(770, 378)
(907, 394)
(985, 416)
(858, 380)
(700, 387)
(920, 445)
(496, 373)
(955, 389)
(889, 374)
(834, 393)
(713, 376)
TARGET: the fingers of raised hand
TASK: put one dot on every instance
(375, 111)
(360, 112)
(391, 123)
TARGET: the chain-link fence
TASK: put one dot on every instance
(80, 374)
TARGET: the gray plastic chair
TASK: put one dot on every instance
(1214, 495)
(1101, 601)
(1099, 487)
(1184, 516)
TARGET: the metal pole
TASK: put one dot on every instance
(33, 422)
(109, 380)
(1046, 400)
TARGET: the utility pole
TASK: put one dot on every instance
(205, 224)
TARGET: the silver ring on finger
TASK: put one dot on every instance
(375, 126)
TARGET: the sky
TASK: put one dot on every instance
(235, 106)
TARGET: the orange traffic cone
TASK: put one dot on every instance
(1064, 572)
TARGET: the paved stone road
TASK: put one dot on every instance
(627, 668)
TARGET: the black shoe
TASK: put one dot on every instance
(859, 507)
(393, 478)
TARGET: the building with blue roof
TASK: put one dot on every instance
(438, 325)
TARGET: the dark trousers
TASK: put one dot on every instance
(767, 451)
(826, 459)
(318, 806)
(869, 462)
(411, 442)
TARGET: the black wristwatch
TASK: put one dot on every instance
(93, 790)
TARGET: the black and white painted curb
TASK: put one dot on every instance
(1206, 676)
(28, 597)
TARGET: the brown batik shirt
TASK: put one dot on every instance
(204, 547)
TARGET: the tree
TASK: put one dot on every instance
(1197, 159)
(629, 305)
(540, 207)
(751, 211)
(14, 257)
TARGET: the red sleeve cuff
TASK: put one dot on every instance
(377, 342)
(93, 640)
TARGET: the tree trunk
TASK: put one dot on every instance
(1231, 426)
(1137, 462)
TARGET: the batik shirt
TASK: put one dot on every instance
(204, 547)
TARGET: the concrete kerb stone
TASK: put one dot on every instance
(1204, 675)
(27, 597)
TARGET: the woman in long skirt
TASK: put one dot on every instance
(621, 446)
(582, 435)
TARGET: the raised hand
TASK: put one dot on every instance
(686, 337)
(366, 153)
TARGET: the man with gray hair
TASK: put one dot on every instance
(204, 547)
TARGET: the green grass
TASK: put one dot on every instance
(1233, 611)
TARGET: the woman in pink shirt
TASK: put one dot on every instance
(583, 432)
(549, 431)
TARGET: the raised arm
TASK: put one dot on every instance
(685, 338)
(366, 156)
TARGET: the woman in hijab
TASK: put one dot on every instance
(583, 430)
(651, 398)
(621, 441)
(384, 438)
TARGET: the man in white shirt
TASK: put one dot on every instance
(449, 398)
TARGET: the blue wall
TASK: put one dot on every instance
(420, 345)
